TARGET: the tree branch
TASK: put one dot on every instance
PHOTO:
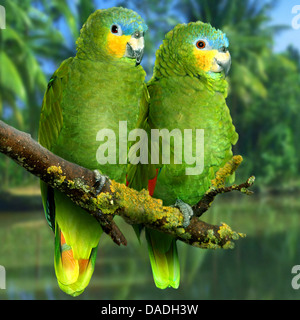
(73, 180)
(80, 185)
(218, 186)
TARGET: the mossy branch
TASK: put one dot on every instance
(80, 185)
(218, 186)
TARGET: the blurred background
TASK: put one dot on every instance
(264, 102)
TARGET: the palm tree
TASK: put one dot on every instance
(22, 78)
(31, 41)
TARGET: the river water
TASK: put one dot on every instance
(259, 267)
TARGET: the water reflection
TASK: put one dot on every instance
(258, 268)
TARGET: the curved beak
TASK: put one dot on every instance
(222, 62)
(135, 47)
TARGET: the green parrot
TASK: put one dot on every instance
(187, 91)
(102, 85)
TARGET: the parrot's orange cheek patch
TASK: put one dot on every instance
(205, 58)
(117, 44)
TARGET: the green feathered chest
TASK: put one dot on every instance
(203, 119)
(98, 96)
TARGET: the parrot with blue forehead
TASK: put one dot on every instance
(102, 85)
(188, 90)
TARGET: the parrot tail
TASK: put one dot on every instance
(164, 259)
(73, 275)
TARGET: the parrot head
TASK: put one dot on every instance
(115, 33)
(196, 48)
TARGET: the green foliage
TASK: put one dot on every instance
(273, 125)
(29, 41)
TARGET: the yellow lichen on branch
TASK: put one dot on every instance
(138, 207)
(57, 173)
(226, 171)
(141, 208)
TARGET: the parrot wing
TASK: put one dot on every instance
(51, 122)
(76, 233)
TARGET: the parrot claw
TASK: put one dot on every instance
(100, 181)
(186, 211)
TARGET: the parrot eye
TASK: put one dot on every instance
(200, 44)
(115, 29)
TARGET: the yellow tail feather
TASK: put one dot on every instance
(73, 275)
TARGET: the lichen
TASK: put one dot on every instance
(54, 170)
(71, 184)
(79, 184)
(228, 245)
(105, 203)
(226, 232)
(21, 159)
(57, 172)
(211, 236)
(207, 245)
(183, 234)
(223, 241)
(141, 207)
(223, 173)
(210, 241)
(251, 180)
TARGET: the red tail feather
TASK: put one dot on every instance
(152, 184)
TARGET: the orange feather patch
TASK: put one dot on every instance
(205, 58)
(117, 44)
(68, 260)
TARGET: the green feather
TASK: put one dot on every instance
(164, 259)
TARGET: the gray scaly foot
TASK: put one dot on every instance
(186, 210)
(100, 181)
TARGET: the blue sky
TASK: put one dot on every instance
(282, 15)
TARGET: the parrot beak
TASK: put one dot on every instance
(222, 61)
(135, 47)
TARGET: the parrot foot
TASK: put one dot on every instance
(186, 210)
(100, 181)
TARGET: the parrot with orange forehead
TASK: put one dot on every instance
(102, 85)
(188, 90)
